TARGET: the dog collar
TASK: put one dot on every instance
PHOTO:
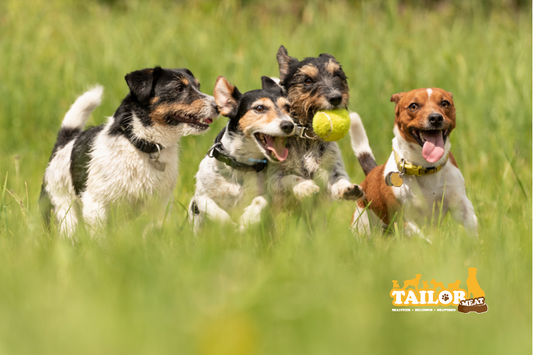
(220, 153)
(304, 132)
(405, 167)
(141, 144)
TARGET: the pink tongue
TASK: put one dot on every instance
(433, 148)
(277, 146)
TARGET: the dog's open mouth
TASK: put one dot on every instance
(432, 143)
(201, 123)
(273, 146)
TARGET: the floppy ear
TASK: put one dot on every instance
(284, 62)
(226, 96)
(267, 83)
(141, 83)
(396, 97)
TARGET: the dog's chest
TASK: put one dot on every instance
(304, 158)
(118, 170)
(427, 194)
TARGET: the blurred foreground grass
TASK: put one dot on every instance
(299, 285)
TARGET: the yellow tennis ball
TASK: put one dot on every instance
(331, 125)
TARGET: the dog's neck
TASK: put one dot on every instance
(240, 147)
(412, 152)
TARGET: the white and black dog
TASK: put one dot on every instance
(132, 156)
(255, 136)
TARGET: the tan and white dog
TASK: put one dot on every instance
(421, 177)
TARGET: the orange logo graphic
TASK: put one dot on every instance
(411, 294)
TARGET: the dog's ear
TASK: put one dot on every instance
(284, 62)
(325, 55)
(451, 95)
(141, 83)
(268, 83)
(397, 97)
(226, 96)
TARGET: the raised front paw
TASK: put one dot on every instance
(305, 189)
(352, 192)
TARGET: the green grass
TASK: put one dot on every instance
(297, 284)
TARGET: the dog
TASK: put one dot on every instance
(254, 137)
(414, 282)
(395, 285)
(420, 173)
(474, 291)
(131, 156)
(454, 285)
(311, 85)
(426, 286)
(437, 284)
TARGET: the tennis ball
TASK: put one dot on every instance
(331, 125)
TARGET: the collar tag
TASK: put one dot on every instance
(155, 160)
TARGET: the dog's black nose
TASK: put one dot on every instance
(435, 119)
(335, 99)
(286, 126)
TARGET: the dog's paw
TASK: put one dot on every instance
(305, 189)
(352, 192)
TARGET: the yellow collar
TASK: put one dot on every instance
(407, 168)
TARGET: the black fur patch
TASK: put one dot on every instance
(367, 162)
(194, 208)
(79, 160)
(64, 136)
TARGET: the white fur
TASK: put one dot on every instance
(117, 170)
(421, 196)
(81, 109)
(219, 187)
(358, 135)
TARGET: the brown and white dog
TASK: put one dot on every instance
(432, 182)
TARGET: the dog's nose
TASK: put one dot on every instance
(435, 119)
(286, 126)
(215, 107)
(335, 99)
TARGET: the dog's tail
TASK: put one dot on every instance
(79, 113)
(360, 144)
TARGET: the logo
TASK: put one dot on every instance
(410, 295)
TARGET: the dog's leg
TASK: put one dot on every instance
(66, 218)
(339, 184)
(206, 207)
(301, 187)
(94, 213)
(252, 213)
(361, 221)
(463, 212)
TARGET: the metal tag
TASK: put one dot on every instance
(157, 164)
(394, 179)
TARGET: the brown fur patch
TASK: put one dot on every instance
(185, 81)
(160, 114)
(252, 119)
(332, 66)
(281, 102)
(380, 196)
(309, 70)
(154, 100)
(407, 119)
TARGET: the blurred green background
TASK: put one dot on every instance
(297, 284)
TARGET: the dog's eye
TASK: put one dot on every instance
(287, 107)
(180, 88)
(259, 108)
(308, 81)
(413, 107)
(445, 104)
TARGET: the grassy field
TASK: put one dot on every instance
(302, 284)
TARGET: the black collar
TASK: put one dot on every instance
(220, 153)
(141, 144)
